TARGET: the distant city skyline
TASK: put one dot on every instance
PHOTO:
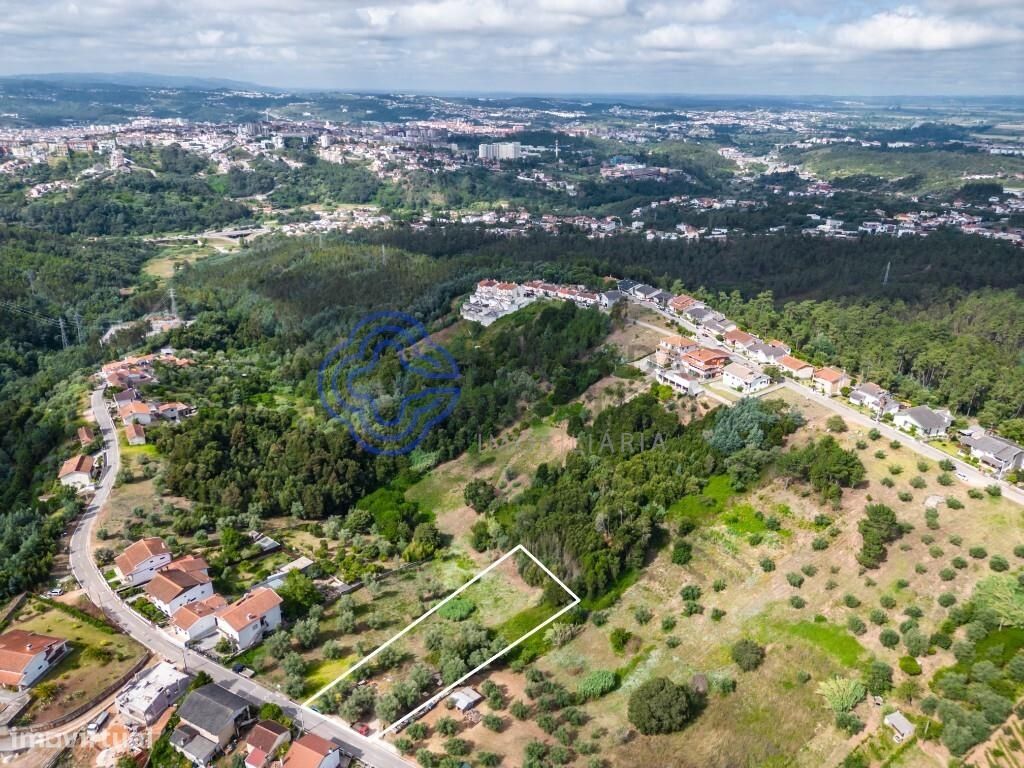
(741, 47)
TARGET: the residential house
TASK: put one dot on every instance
(173, 411)
(610, 298)
(719, 325)
(135, 434)
(699, 313)
(923, 421)
(994, 451)
(738, 339)
(151, 692)
(312, 751)
(795, 367)
(645, 292)
(902, 728)
(27, 656)
(76, 472)
(744, 379)
(247, 620)
(135, 412)
(466, 698)
(765, 354)
(209, 718)
(679, 381)
(169, 590)
(705, 363)
(682, 302)
(874, 398)
(127, 396)
(627, 286)
(263, 741)
(85, 437)
(830, 381)
(661, 298)
(141, 560)
(672, 348)
(195, 621)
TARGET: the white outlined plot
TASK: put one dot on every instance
(439, 696)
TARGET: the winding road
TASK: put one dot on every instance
(378, 754)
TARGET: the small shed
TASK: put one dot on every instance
(902, 728)
(466, 698)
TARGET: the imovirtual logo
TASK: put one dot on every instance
(389, 383)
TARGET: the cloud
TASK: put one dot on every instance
(907, 29)
(683, 37)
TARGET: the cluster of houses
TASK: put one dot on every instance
(183, 591)
(211, 717)
(493, 299)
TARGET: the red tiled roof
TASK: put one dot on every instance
(79, 463)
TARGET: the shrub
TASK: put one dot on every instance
(946, 465)
(809, 570)
(887, 601)
(767, 564)
(642, 614)
(974, 493)
(836, 424)
(797, 602)
(747, 654)
(1018, 551)
(889, 638)
(682, 552)
(878, 616)
(905, 496)
(599, 618)
(598, 683)
(922, 465)
(820, 543)
(879, 454)
(910, 665)
(851, 601)
(998, 563)
(856, 625)
(994, 491)
(619, 638)
(954, 503)
(718, 585)
(959, 563)
(945, 479)
(874, 434)
(795, 580)
(978, 553)
(917, 482)
(661, 706)
(895, 445)
(887, 482)
(690, 592)
(457, 609)
(717, 614)
(947, 574)
(895, 469)
(668, 624)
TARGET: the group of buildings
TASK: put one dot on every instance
(493, 299)
(183, 590)
(211, 718)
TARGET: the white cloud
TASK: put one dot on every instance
(907, 29)
(683, 37)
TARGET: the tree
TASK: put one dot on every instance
(306, 631)
(479, 494)
(879, 528)
(878, 678)
(661, 706)
(747, 654)
(836, 424)
(299, 594)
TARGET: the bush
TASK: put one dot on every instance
(998, 563)
(661, 706)
(668, 623)
(910, 665)
(851, 601)
(836, 424)
(994, 491)
(856, 625)
(878, 616)
(682, 552)
(958, 563)
(719, 584)
(642, 614)
(747, 654)
(809, 570)
(888, 482)
(974, 493)
(767, 564)
(889, 638)
(917, 482)
(619, 638)
(598, 683)
(457, 609)
(954, 503)
(795, 580)
(946, 599)
(797, 602)
(887, 601)
(820, 543)
(945, 479)
(717, 614)
(978, 553)
(905, 496)
(690, 592)
(946, 465)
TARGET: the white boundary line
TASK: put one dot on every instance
(437, 697)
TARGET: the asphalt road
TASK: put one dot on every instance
(374, 753)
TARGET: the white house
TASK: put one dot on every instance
(135, 412)
(679, 381)
(247, 620)
(874, 397)
(135, 434)
(795, 367)
(902, 728)
(140, 561)
(76, 472)
(997, 452)
(923, 420)
(195, 621)
(151, 692)
(27, 656)
(744, 379)
(169, 590)
(829, 381)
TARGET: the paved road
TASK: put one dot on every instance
(374, 753)
(969, 473)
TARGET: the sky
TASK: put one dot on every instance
(785, 47)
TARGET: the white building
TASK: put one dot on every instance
(151, 692)
(246, 621)
(27, 656)
(169, 590)
(76, 472)
(923, 421)
(745, 379)
(505, 150)
(140, 561)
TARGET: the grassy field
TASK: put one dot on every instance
(99, 657)
(775, 717)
